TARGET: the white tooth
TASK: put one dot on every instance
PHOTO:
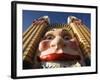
(53, 66)
(56, 66)
(47, 64)
(44, 66)
(50, 66)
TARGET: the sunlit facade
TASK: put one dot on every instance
(34, 33)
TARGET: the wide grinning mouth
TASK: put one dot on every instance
(60, 56)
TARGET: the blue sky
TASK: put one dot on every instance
(55, 17)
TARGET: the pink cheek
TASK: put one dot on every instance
(43, 45)
(73, 45)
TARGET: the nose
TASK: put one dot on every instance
(57, 42)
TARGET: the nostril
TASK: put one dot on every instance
(52, 45)
(64, 45)
(60, 45)
(57, 42)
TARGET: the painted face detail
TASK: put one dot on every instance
(58, 44)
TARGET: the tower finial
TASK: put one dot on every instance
(46, 18)
(71, 18)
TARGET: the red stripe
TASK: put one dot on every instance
(62, 57)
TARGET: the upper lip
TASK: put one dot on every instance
(61, 53)
(60, 56)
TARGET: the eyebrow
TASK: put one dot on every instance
(45, 36)
(66, 32)
(49, 33)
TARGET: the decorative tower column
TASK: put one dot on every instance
(31, 38)
(82, 33)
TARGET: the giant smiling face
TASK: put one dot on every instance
(58, 44)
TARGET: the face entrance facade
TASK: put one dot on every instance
(48, 45)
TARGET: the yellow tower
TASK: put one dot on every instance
(31, 38)
(82, 33)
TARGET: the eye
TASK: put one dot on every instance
(64, 30)
(66, 37)
(49, 37)
(53, 30)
